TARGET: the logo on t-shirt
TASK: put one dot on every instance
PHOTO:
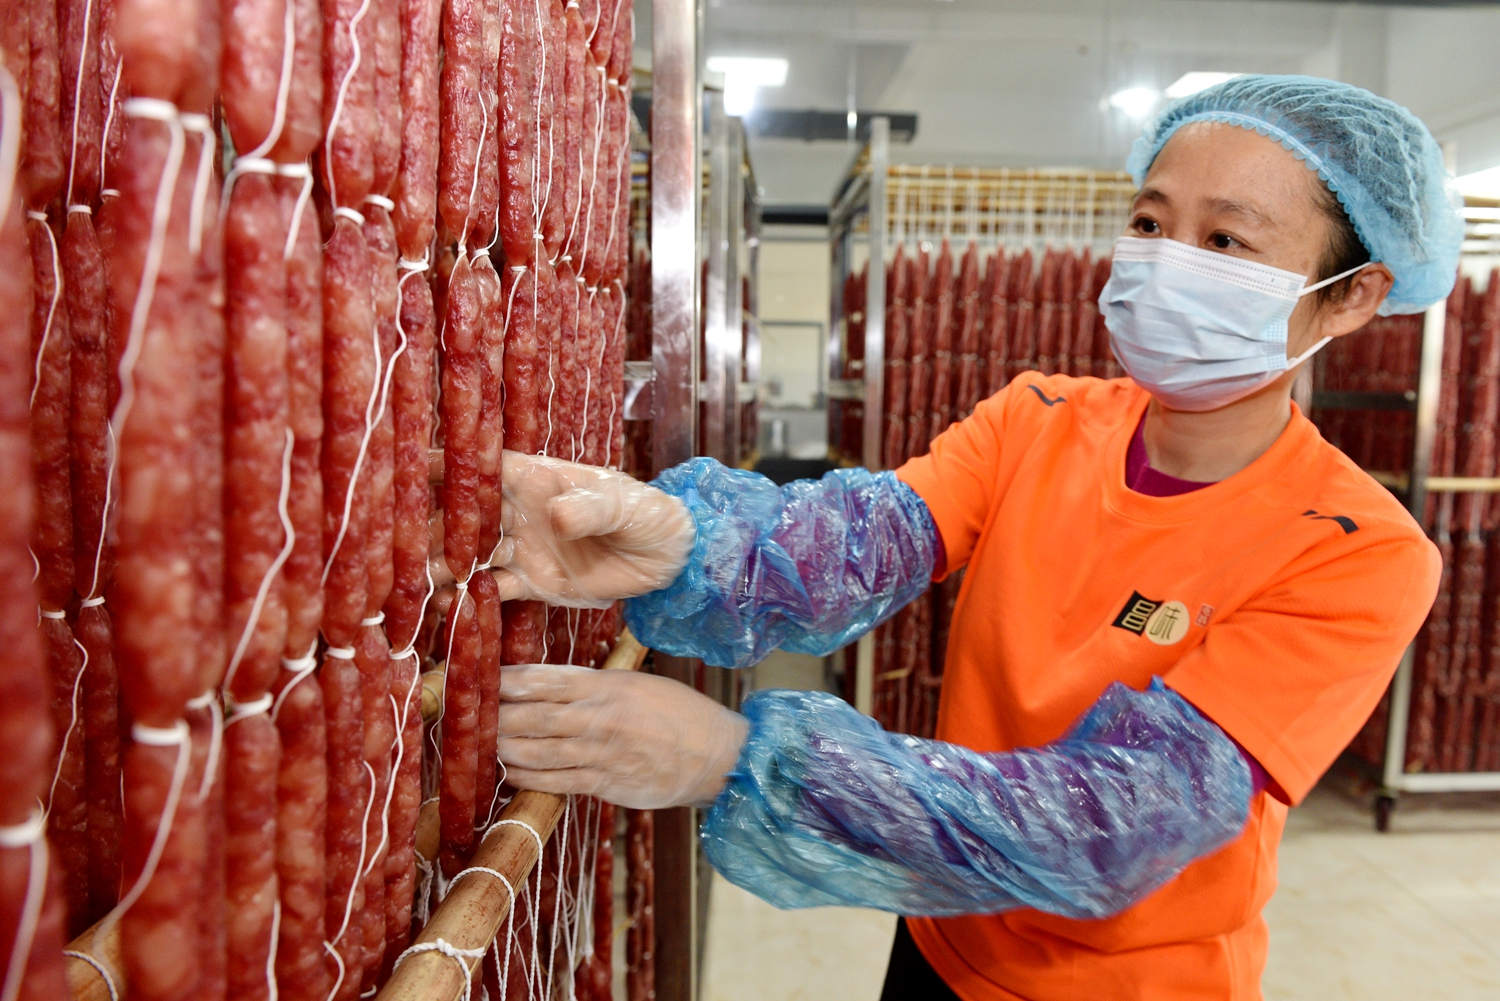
(1161, 622)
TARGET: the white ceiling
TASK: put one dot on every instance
(1019, 83)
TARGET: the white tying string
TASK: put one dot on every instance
(381, 201)
(484, 126)
(49, 614)
(10, 138)
(338, 110)
(83, 55)
(210, 700)
(373, 620)
(301, 668)
(109, 124)
(261, 592)
(99, 968)
(178, 734)
(303, 171)
(242, 165)
(510, 930)
(72, 723)
(28, 834)
(340, 652)
(453, 952)
(255, 707)
(353, 215)
(409, 265)
(91, 602)
(41, 351)
(373, 408)
(161, 214)
(204, 126)
(273, 991)
(283, 83)
(85, 209)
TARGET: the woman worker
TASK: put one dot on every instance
(1180, 604)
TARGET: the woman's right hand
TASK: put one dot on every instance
(582, 536)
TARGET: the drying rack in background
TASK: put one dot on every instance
(879, 207)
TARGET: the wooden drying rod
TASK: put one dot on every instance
(468, 918)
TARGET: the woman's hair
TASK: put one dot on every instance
(1344, 251)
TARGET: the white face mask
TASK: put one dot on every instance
(1200, 330)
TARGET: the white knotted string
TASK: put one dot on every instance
(261, 592)
(41, 351)
(203, 126)
(301, 668)
(210, 700)
(178, 734)
(109, 124)
(30, 834)
(338, 105)
(99, 968)
(67, 739)
(283, 82)
(161, 214)
(255, 707)
(304, 172)
(453, 952)
(273, 990)
(242, 165)
(353, 215)
(10, 139)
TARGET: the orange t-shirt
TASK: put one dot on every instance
(1278, 602)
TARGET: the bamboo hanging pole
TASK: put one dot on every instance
(468, 918)
(476, 906)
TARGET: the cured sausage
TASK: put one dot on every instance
(301, 823)
(349, 115)
(350, 783)
(486, 595)
(464, 116)
(411, 406)
(82, 109)
(372, 655)
(490, 442)
(415, 192)
(640, 891)
(519, 92)
(459, 733)
(252, 755)
(302, 124)
(462, 404)
(385, 31)
(302, 573)
(380, 235)
(406, 803)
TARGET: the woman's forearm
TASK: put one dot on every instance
(825, 807)
(807, 567)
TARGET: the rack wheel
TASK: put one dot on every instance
(1383, 807)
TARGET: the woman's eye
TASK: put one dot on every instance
(1223, 241)
(1145, 225)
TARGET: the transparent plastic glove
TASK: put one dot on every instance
(824, 807)
(807, 567)
(636, 740)
(582, 536)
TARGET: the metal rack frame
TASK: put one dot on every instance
(1395, 779)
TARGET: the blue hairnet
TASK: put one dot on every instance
(1374, 155)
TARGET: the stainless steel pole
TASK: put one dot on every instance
(676, 169)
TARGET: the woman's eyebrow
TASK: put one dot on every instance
(1233, 206)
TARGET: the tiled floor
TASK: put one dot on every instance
(1410, 914)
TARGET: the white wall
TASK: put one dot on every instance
(793, 289)
(1019, 82)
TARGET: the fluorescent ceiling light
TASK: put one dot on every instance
(1136, 102)
(1191, 83)
(1481, 183)
(743, 76)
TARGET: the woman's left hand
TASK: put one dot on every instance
(636, 740)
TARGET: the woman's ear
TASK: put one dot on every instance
(1367, 290)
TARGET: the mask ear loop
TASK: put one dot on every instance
(1294, 362)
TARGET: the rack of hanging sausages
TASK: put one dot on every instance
(987, 273)
(1414, 401)
(283, 278)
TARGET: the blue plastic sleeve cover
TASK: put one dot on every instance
(807, 567)
(825, 807)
